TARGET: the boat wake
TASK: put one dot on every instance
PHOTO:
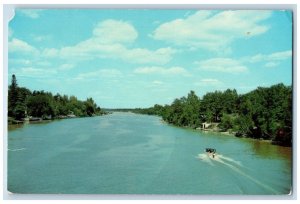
(222, 158)
(15, 150)
(205, 158)
(233, 165)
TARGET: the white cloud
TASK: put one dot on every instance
(143, 56)
(255, 58)
(35, 72)
(157, 85)
(31, 13)
(43, 63)
(101, 73)
(17, 61)
(280, 55)
(208, 82)
(238, 66)
(161, 70)
(66, 66)
(90, 49)
(276, 56)
(112, 31)
(107, 42)
(271, 64)
(40, 38)
(16, 45)
(110, 73)
(213, 31)
(222, 65)
(156, 22)
(270, 60)
(50, 52)
(32, 70)
(157, 82)
(28, 62)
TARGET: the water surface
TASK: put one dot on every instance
(125, 153)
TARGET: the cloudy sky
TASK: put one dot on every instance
(137, 58)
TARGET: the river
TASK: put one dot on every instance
(126, 153)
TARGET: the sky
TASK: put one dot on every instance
(128, 58)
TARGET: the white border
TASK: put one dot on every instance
(187, 4)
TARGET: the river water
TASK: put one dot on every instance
(125, 153)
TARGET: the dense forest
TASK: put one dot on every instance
(23, 103)
(265, 113)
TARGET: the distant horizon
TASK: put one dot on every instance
(139, 58)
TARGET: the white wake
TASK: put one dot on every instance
(233, 165)
(15, 150)
(205, 158)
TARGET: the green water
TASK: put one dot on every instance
(126, 153)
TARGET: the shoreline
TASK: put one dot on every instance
(13, 124)
(226, 133)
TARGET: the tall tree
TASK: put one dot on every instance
(12, 95)
(90, 106)
(192, 109)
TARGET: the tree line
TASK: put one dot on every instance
(262, 113)
(24, 103)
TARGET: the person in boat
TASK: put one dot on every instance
(211, 151)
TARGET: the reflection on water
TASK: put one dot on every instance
(267, 150)
(15, 126)
(12, 127)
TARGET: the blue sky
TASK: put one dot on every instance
(138, 58)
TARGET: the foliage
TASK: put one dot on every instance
(262, 113)
(270, 110)
(40, 104)
(227, 122)
(22, 103)
(215, 104)
(17, 97)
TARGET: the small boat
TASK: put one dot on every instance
(211, 152)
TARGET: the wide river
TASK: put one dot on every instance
(125, 153)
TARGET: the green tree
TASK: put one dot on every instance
(192, 110)
(17, 97)
(243, 125)
(229, 100)
(212, 104)
(19, 111)
(12, 96)
(261, 113)
(90, 106)
(40, 105)
(227, 122)
(269, 110)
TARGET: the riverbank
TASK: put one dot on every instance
(232, 134)
(227, 133)
(13, 123)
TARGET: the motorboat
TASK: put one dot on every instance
(211, 152)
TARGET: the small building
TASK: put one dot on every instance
(206, 125)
